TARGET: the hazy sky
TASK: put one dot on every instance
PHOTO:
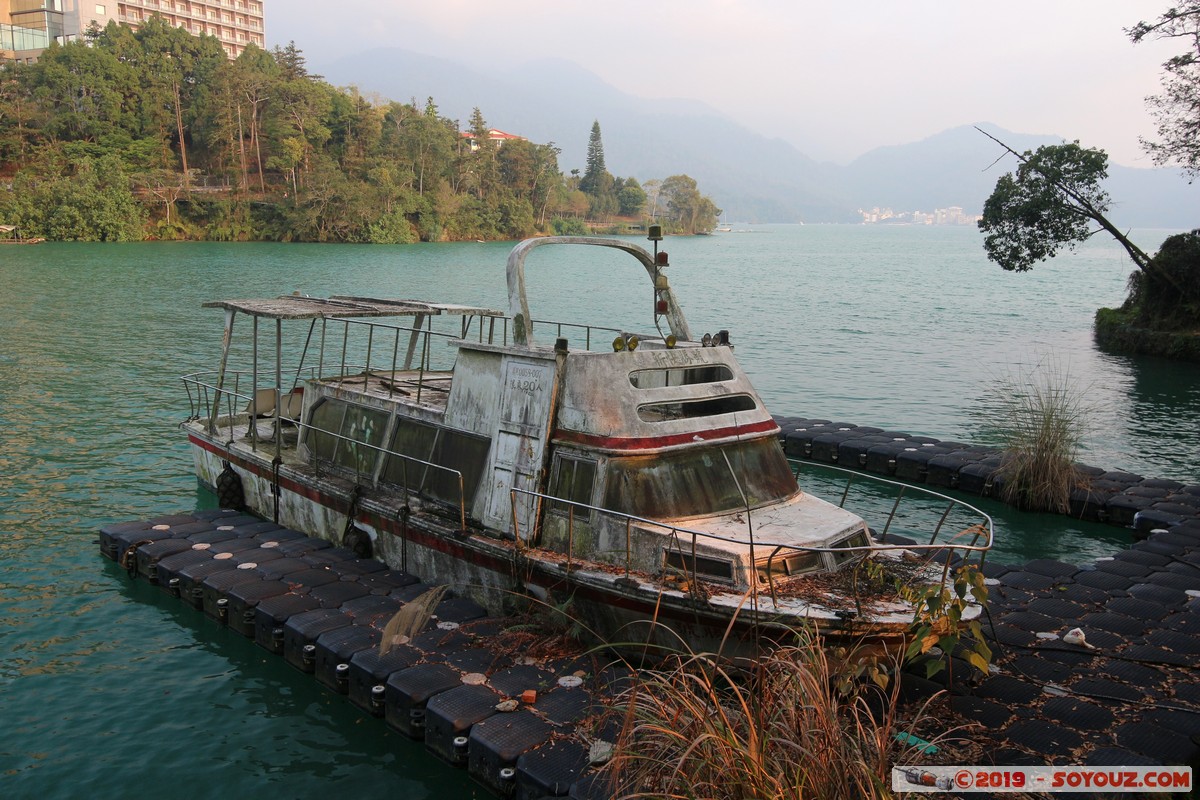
(836, 79)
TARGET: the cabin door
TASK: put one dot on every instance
(526, 403)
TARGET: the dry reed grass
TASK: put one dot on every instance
(780, 730)
(1044, 419)
(410, 619)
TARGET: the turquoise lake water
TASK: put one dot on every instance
(109, 689)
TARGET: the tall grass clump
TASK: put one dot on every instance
(1043, 420)
(781, 729)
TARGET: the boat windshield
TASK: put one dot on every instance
(699, 481)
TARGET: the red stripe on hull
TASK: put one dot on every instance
(501, 563)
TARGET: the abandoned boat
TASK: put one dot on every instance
(636, 475)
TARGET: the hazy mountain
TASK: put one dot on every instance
(959, 167)
(750, 176)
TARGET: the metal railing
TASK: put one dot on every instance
(683, 540)
(202, 387)
(936, 504)
(198, 394)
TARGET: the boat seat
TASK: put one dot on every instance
(263, 404)
(293, 404)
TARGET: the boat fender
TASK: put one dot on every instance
(229, 489)
(354, 537)
(358, 541)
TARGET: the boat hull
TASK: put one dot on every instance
(631, 613)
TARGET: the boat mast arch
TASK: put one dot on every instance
(518, 301)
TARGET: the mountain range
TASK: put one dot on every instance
(751, 177)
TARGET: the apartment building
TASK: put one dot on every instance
(29, 26)
(236, 23)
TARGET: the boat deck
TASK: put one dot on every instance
(426, 389)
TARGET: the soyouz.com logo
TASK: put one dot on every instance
(1041, 779)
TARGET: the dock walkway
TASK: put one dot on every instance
(1130, 693)
(521, 724)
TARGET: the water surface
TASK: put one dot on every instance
(108, 688)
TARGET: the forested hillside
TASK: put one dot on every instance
(153, 133)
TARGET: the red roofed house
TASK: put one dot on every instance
(494, 135)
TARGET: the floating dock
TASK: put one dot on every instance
(521, 725)
(1117, 498)
(1129, 694)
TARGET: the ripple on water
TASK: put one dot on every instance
(117, 687)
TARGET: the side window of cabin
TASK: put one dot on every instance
(463, 452)
(573, 482)
(420, 445)
(347, 435)
(325, 420)
(414, 440)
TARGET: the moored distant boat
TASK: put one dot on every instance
(10, 235)
(637, 475)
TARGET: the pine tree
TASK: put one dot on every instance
(590, 183)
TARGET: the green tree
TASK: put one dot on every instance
(424, 142)
(238, 107)
(356, 128)
(16, 109)
(687, 210)
(82, 91)
(594, 174)
(631, 198)
(1049, 203)
(172, 68)
(302, 111)
(1052, 201)
(1157, 304)
(1177, 109)
(292, 63)
(77, 199)
(481, 160)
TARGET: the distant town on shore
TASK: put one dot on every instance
(939, 216)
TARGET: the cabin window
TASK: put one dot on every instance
(573, 482)
(857, 540)
(792, 562)
(702, 566)
(701, 480)
(347, 435)
(425, 444)
(692, 409)
(660, 378)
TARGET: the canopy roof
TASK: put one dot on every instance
(341, 306)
